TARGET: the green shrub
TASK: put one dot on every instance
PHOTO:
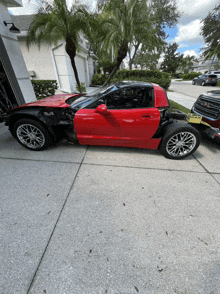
(83, 88)
(177, 75)
(152, 76)
(98, 79)
(190, 76)
(218, 84)
(44, 88)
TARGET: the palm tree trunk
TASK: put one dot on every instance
(133, 57)
(122, 52)
(71, 51)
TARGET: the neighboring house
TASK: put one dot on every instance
(204, 66)
(15, 83)
(52, 62)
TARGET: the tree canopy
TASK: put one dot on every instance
(210, 32)
(131, 25)
(146, 60)
(172, 59)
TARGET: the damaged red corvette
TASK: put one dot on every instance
(131, 114)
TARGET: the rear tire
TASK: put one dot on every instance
(203, 84)
(31, 134)
(179, 141)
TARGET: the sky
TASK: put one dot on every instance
(185, 33)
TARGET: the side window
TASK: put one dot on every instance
(127, 98)
(112, 101)
(137, 97)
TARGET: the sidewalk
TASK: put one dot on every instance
(184, 100)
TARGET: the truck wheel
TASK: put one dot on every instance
(31, 134)
(179, 141)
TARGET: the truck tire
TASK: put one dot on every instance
(31, 134)
(179, 141)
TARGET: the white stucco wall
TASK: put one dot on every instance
(40, 61)
(52, 62)
(12, 48)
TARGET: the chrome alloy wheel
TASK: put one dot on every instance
(30, 136)
(181, 144)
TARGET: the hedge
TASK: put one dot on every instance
(44, 88)
(190, 76)
(98, 79)
(152, 76)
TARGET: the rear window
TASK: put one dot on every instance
(213, 76)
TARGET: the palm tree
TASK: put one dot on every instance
(59, 23)
(121, 21)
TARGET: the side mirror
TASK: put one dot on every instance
(101, 109)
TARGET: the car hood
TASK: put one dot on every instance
(52, 101)
(214, 94)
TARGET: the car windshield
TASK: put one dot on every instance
(85, 99)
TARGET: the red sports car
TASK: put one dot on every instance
(131, 114)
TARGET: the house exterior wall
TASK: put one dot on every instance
(53, 63)
(204, 66)
(12, 59)
(39, 61)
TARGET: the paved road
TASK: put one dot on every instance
(186, 88)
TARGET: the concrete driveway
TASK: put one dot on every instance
(84, 220)
(186, 88)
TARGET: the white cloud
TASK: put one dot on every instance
(190, 53)
(196, 9)
(183, 45)
(189, 33)
(32, 6)
(190, 21)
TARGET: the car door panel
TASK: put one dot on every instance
(119, 127)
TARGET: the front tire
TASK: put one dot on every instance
(179, 141)
(31, 134)
(193, 82)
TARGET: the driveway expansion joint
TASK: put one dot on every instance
(146, 168)
(41, 160)
(54, 228)
(211, 174)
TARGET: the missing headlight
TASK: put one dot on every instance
(69, 114)
(48, 113)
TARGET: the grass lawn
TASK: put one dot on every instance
(175, 106)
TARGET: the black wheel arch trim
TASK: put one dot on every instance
(33, 114)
